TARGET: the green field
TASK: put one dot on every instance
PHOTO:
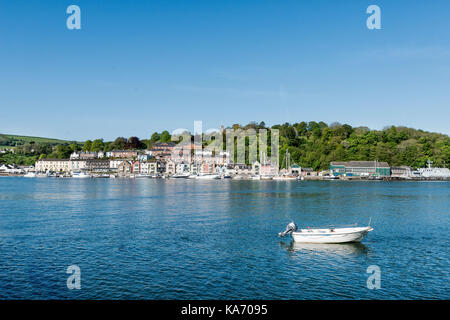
(27, 139)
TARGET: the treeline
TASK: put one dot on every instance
(316, 144)
(121, 143)
(310, 144)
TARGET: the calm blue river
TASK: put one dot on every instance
(187, 239)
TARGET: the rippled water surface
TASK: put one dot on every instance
(184, 239)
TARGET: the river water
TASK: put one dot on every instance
(187, 239)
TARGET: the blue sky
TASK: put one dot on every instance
(137, 67)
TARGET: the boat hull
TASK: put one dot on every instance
(208, 177)
(343, 235)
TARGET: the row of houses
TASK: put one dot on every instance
(150, 167)
(163, 151)
(85, 155)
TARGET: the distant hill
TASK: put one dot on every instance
(10, 140)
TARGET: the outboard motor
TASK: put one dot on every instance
(291, 227)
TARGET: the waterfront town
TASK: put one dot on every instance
(167, 160)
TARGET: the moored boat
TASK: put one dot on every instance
(30, 175)
(284, 178)
(142, 175)
(42, 175)
(180, 176)
(326, 235)
(80, 175)
(208, 177)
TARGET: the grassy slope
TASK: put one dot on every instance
(35, 139)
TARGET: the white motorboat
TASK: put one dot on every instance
(326, 235)
(30, 175)
(142, 175)
(80, 175)
(42, 175)
(208, 177)
(284, 178)
(180, 176)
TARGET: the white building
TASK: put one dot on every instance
(150, 168)
(170, 167)
(114, 164)
(75, 155)
(194, 168)
(220, 169)
(77, 165)
(183, 168)
(402, 172)
(55, 165)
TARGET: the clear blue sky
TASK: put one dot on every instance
(137, 67)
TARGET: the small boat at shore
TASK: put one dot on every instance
(30, 175)
(180, 176)
(142, 175)
(326, 235)
(284, 178)
(42, 175)
(208, 177)
(80, 175)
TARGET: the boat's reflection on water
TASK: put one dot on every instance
(353, 248)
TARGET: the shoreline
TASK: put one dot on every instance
(249, 178)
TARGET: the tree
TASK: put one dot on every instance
(120, 143)
(155, 137)
(97, 145)
(63, 151)
(74, 147)
(165, 136)
(87, 146)
(135, 143)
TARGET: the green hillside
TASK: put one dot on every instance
(9, 140)
(28, 149)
